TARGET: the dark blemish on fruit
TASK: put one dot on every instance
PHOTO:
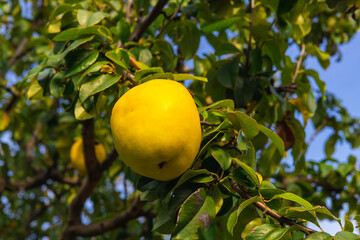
(162, 164)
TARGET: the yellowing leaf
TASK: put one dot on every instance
(4, 121)
(35, 91)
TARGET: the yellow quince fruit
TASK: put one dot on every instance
(156, 129)
(77, 156)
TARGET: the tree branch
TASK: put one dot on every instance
(40, 179)
(268, 211)
(18, 53)
(30, 145)
(145, 22)
(77, 204)
(97, 228)
(109, 160)
(265, 209)
(92, 165)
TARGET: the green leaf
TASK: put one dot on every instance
(245, 175)
(272, 4)
(87, 18)
(228, 72)
(294, 198)
(157, 76)
(250, 226)
(349, 227)
(319, 236)
(163, 222)
(322, 57)
(97, 85)
(282, 233)
(249, 155)
(84, 64)
(35, 71)
(58, 84)
(190, 10)
(222, 157)
(58, 57)
(81, 113)
(331, 3)
(233, 218)
(262, 231)
(218, 199)
(274, 138)
(226, 104)
(61, 9)
(225, 124)
(247, 124)
(315, 75)
(346, 236)
(196, 212)
(55, 27)
(123, 29)
(190, 40)
(120, 57)
(76, 33)
(220, 25)
(145, 56)
(300, 213)
(285, 6)
(189, 174)
(185, 76)
(272, 49)
(202, 179)
(93, 68)
(330, 144)
(344, 169)
(140, 74)
(269, 160)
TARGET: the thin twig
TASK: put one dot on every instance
(204, 123)
(128, 16)
(145, 22)
(170, 18)
(129, 10)
(19, 52)
(298, 64)
(317, 130)
(297, 69)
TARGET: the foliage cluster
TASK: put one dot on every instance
(65, 63)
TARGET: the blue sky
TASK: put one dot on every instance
(342, 79)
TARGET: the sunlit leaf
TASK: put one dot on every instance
(76, 33)
(97, 85)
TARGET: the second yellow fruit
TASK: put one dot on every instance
(77, 156)
(156, 129)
